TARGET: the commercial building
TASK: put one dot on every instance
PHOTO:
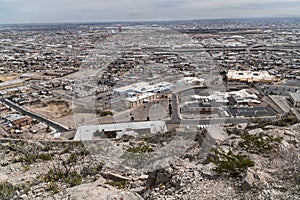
(250, 76)
(134, 101)
(142, 87)
(11, 84)
(90, 132)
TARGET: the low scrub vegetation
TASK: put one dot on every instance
(259, 144)
(233, 164)
(119, 185)
(9, 191)
(287, 120)
(141, 149)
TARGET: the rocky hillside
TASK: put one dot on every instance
(255, 162)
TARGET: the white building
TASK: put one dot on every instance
(142, 87)
(250, 76)
(134, 101)
(85, 133)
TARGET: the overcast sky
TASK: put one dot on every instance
(24, 11)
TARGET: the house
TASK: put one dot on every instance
(22, 122)
(17, 120)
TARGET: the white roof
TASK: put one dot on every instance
(13, 117)
(3, 92)
(141, 97)
(86, 132)
(192, 79)
(241, 96)
(142, 87)
(250, 75)
(7, 83)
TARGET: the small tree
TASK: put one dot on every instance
(48, 129)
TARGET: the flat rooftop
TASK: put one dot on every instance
(254, 76)
(84, 133)
(142, 87)
(12, 82)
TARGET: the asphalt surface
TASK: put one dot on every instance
(48, 122)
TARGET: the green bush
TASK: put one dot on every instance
(73, 179)
(45, 156)
(233, 164)
(288, 120)
(9, 191)
(48, 129)
(91, 170)
(54, 175)
(119, 185)
(106, 112)
(52, 186)
(141, 149)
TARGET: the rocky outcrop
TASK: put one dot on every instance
(97, 190)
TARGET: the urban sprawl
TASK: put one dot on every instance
(97, 81)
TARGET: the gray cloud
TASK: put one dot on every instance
(14, 11)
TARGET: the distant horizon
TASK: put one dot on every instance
(68, 11)
(149, 21)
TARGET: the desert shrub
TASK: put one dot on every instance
(73, 179)
(160, 137)
(106, 113)
(287, 120)
(141, 149)
(45, 156)
(9, 191)
(233, 164)
(68, 170)
(91, 170)
(119, 184)
(259, 144)
(52, 186)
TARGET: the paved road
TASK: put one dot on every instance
(50, 123)
(175, 119)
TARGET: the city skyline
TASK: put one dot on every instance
(33, 11)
